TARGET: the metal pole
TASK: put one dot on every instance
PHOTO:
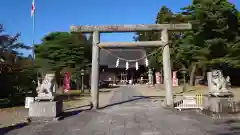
(33, 46)
(209, 79)
(82, 84)
(167, 69)
(33, 41)
(95, 70)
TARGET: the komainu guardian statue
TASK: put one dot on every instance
(47, 89)
(220, 86)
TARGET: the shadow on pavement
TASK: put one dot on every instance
(233, 126)
(150, 97)
(67, 113)
(5, 130)
(113, 87)
(122, 102)
(108, 87)
(75, 111)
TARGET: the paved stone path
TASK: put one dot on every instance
(136, 117)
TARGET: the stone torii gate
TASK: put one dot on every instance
(96, 30)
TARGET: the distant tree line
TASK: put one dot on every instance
(212, 43)
(59, 52)
(17, 74)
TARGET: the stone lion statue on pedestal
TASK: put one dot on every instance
(47, 89)
(220, 86)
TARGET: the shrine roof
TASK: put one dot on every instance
(106, 57)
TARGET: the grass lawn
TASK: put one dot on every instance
(69, 98)
(190, 90)
(74, 98)
(198, 89)
(178, 91)
(204, 90)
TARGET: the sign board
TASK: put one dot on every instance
(174, 78)
(175, 82)
(67, 81)
(158, 77)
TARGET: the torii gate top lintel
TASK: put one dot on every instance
(130, 28)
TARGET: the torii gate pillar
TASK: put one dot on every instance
(95, 70)
(167, 71)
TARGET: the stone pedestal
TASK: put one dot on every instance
(219, 105)
(221, 94)
(44, 98)
(46, 109)
(214, 105)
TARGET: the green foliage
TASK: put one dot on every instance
(16, 72)
(213, 40)
(64, 52)
(214, 29)
(61, 51)
(9, 43)
(165, 15)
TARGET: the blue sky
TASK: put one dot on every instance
(58, 15)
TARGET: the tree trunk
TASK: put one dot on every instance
(192, 74)
(58, 79)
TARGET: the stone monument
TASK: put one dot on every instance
(45, 104)
(219, 85)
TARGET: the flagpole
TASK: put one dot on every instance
(33, 28)
(33, 38)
